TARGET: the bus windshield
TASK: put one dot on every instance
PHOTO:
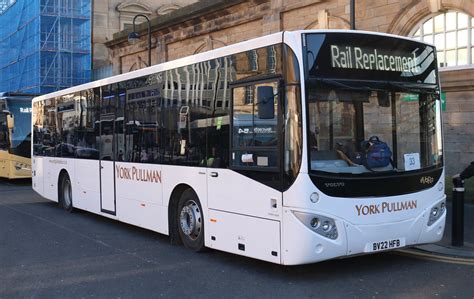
(20, 108)
(373, 131)
(373, 105)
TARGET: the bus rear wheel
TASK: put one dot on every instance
(65, 193)
(190, 221)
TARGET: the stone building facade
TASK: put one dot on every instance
(112, 16)
(207, 24)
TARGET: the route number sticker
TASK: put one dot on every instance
(412, 161)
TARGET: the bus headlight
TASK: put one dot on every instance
(327, 226)
(315, 222)
(436, 212)
(321, 225)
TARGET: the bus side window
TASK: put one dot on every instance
(255, 126)
(3, 133)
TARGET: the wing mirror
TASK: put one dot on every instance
(266, 102)
(10, 119)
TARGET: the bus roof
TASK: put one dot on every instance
(17, 94)
(363, 32)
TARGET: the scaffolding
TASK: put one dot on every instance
(45, 45)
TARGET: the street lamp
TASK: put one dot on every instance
(134, 36)
(353, 15)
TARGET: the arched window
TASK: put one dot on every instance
(453, 35)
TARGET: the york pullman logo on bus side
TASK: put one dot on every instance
(372, 60)
(385, 207)
(136, 174)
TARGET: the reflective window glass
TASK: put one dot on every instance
(428, 39)
(189, 96)
(107, 122)
(67, 111)
(255, 127)
(462, 56)
(37, 121)
(142, 128)
(441, 60)
(451, 58)
(462, 38)
(4, 130)
(439, 41)
(439, 23)
(86, 146)
(50, 134)
(428, 26)
(450, 21)
(450, 40)
(462, 21)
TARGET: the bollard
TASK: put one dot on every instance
(457, 236)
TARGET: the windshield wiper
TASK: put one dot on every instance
(338, 83)
(377, 85)
(412, 87)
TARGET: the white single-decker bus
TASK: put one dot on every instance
(292, 148)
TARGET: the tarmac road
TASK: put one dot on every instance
(46, 252)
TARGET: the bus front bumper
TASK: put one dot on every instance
(18, 169)
(302, 245)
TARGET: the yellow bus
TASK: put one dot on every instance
(15, 135)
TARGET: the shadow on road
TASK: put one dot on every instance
(17, 182)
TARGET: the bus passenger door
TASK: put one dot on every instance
(244, 199)
(107, 150)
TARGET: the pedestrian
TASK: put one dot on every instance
(466, 173)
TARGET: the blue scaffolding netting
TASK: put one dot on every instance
(45, 45)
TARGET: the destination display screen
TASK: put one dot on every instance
(356, 56)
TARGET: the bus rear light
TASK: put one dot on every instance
(436, 212)
(321, 225)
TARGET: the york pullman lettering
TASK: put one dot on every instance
(372, 60)
(137, 174)
(385, 207)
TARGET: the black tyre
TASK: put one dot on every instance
(65, 193)
(190, 221)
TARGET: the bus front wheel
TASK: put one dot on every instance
(65, 193)
(191, 221)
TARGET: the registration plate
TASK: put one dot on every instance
(384, 245)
